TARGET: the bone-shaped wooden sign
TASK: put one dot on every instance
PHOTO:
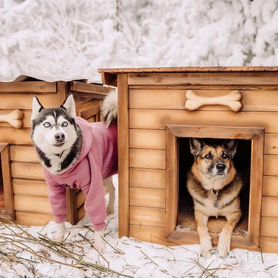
(232, 100)
(14, 118)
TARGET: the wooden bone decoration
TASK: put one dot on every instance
(14, 118)
(232, 100)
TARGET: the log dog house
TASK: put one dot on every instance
(159, 110)
(23, 191)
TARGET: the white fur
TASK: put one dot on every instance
(110, 107)
(44, 139)
(69, 105)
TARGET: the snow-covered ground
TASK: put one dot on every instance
(28, 252)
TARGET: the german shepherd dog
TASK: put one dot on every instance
(214, 185)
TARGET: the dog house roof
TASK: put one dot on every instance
(109, 75)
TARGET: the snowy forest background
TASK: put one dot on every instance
(67, 39)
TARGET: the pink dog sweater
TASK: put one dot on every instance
(98, 160)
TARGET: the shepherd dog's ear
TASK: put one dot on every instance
(196, 146)
(231, 146)
(36, 108)
(69, 106)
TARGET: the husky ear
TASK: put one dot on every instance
(36, 108)
(196, 146)
(69, 106)
(231, 146)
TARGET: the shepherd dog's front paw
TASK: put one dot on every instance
(206, 249)
(223, 247)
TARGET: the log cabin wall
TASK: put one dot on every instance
(28, 198)
(151, 98)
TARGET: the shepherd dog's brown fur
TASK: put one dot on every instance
(214, 185)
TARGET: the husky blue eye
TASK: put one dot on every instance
(64, 124)
(46, 124)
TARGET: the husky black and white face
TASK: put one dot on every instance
(54, 130)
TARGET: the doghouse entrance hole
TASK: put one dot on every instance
(242, 162)
(179, 205)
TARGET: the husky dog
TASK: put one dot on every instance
(214, 185)
(80, 155)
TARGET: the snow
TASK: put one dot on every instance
(70, 39)
(126, 255)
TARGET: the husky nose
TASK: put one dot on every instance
(220, 166)
(59, 137)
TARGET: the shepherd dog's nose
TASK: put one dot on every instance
(220, 166)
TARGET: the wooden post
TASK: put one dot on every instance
(72, 213)
(123, 150)
(7, 181)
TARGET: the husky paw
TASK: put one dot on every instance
(223, 247)
(100, 244)
(206, 248)
(60, 233)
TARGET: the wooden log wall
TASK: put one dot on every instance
(158, 98)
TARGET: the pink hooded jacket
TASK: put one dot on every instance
(98, 160)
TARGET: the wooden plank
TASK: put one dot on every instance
(38, 87)
(71, 209)
(23, 153)
(62, 92)
(270, 187)
(27, 170)
(143, 158)
(147, 216)
(147, 139)
(32, 204)
(15, 136)
(271, 144)
(24, 101)
(147, 197)
(159, 99)
(241, 78)
(269, 227)
(172, 183)
(7, 182)
(32, 218)
(189, 69)
(80, 199)
(147, 233)
(269, 244)
(256, 180)
(270, 165)
(81, 213)
(147, 178)
(30, 187)
(229, 87)
(155, 139)
(95, 89)
(270, 206)
(123, 148)
(156, 119)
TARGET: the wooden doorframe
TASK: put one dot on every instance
(255, 134)
(7, 180)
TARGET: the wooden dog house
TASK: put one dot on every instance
(161, 107)
(23, 191)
